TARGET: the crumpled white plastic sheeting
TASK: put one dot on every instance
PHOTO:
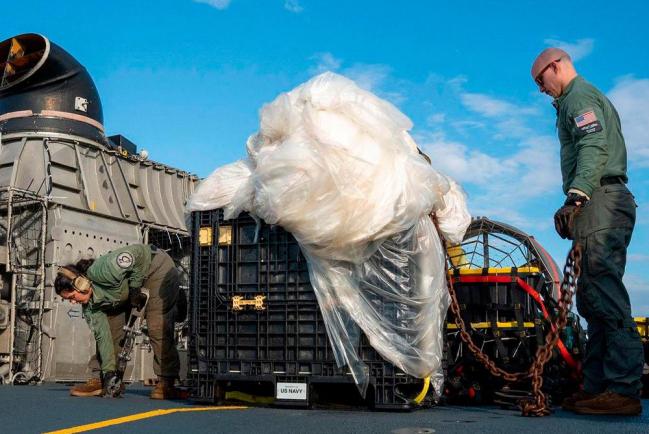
(452, 214)
(334, 165)
(229, 187)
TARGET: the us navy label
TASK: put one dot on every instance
(294, 391)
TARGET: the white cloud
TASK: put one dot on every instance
(631, 99)
(515, 126)
(436, 118)
(461, 162)
(504, 214)
(293, 6)
(373, 77)
(530, 172)
(491, 107)
(464, 126)
(507, 161)
(638, 257)
(368, 76)
(507, 120)
(538, 164)
(218, 4)
(486, 105)
(324, 62)
(577, 50)
(456, 82)
(505, 184)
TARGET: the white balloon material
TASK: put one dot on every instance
(335, 165)
(229, 187)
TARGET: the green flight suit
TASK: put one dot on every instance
(593, 160)
(112, 275)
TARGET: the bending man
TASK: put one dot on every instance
(105, 288)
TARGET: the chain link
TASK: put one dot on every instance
(537, 405)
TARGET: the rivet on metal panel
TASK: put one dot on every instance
(205, 236)
(225, 235)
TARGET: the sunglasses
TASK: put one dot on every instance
(539, 77)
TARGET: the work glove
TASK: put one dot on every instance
(564, 218)
(137, 298)
(111, 383)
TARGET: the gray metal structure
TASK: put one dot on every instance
(64, 197)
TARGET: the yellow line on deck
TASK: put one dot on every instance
(140, 416)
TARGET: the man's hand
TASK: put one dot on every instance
(137, 298)
(564, 218)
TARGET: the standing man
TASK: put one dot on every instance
(599, 212)
(105, 286)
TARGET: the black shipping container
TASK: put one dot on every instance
(256, 325)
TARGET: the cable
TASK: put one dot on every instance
(424, 391)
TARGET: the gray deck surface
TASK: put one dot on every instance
(48, 407)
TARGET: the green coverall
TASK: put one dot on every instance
(593, 160)
(135, 266)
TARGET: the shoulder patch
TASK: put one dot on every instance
(588, 123)
(124, 260)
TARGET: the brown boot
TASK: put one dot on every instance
(610, 403)
(581, 395)
(91, 387)
(165, 389)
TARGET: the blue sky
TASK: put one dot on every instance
(185, 79)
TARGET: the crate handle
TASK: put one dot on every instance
(239, 303)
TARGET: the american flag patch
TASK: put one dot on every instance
(585, 119)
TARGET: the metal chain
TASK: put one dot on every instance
(538, 405)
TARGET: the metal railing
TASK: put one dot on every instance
(23, 225)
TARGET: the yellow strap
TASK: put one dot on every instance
(424, 391)
(500, 325)
(493, 270)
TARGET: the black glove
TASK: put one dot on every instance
(575, 199)
(111, 383)
(564, 218)
(137, 298)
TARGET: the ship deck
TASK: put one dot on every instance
(50, 408)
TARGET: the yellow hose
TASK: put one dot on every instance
(424, 391)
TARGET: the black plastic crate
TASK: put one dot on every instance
(501, 301)
(283, 339)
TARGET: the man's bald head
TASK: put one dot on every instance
(546, 57)
(553, 71)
